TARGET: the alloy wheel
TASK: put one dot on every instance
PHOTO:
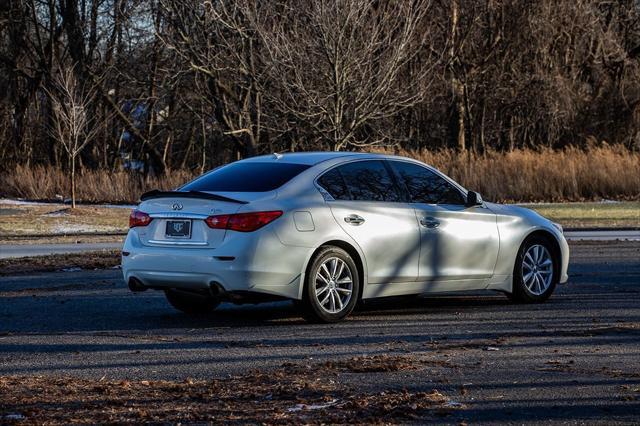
(537, 269)
(333, 285)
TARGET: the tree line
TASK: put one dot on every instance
(168, 84)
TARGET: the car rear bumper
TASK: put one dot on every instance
(260, 263)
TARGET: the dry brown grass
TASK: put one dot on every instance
(572, 174)
(93, 186)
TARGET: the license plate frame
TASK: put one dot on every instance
(180, 229)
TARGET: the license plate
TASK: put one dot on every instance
(178, 228)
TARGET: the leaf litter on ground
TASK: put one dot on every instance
(293, 393)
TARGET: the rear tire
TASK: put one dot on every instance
(191, 302)
(331, 288)
(535, 273)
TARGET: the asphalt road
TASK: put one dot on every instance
(574, 359)
(24, 250)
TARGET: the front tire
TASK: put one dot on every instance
(535, 274)
(332, 286)
(191, 302)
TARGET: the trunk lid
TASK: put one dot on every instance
(186, 211)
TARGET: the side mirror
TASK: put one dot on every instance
(473, 199)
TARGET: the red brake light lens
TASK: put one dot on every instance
(243, 222)
(138, 218)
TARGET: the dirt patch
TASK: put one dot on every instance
(58, 262)
(289, 395)
(384, 364)
(374, 364)
(63, 239)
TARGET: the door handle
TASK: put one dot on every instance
(354, 219)
(429, 222)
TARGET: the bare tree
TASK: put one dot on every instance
(215, 42)
(71, 124)
(191, 84)
(339, 66)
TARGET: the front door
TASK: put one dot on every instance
(457, 243)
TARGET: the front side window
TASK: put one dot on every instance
(426, 186)
(246, 176)
(368, 181)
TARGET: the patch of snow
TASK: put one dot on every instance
(453, 404)
(71, 229)
(492, 348)
(13, 202)
(75, 269)
(57, 213)
(22, 202)
(300, 407)
(118, 206)
(14, 416)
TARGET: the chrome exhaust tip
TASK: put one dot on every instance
(136, 286)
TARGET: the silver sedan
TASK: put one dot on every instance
(330, 229)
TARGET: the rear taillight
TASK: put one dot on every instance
(243, 222)
(138, 218)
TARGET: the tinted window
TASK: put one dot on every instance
(246, 177)
(369, 181)
(333, 183)
(426, 186)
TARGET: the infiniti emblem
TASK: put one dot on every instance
(176, 206)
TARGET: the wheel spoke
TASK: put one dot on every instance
(528, 260)
(343, 290)
(337, 296)
(326, 270)
(333, 301)
(334, 268)
(320, 276)
(340, 270)
(527, 278)
(546, 279)
(326, 298)
(321, 290)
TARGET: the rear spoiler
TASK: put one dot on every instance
(187, 194)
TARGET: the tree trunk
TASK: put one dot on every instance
(460, 111)
(73, 181)
(457, 88)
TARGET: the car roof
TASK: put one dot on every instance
(311, 158)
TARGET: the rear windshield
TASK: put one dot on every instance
(246, 177)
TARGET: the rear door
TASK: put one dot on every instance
(457, 242)
(368, 206)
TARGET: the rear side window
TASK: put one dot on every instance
(333, 183)
(361, 181)
(426, 186)
(246, 177)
